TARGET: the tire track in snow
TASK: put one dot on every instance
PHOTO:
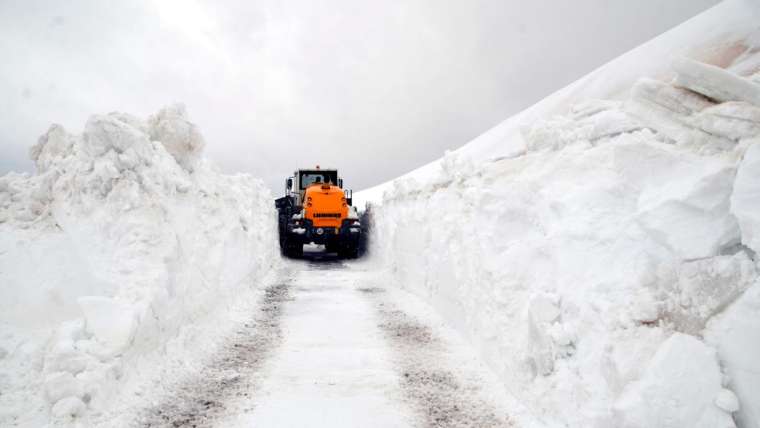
(233, 372)
(334, 367)
(441, 395)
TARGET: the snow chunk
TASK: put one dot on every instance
(671, 112)
(107, 132)
(667, 97)
(54, 145)
(61, 384)
(727, 401)
(543, 310)
(678, 389)
(69, 407)
(68, 360)
(735, 120)
(735, 333)
(715, 82)
(112, 323)
(177, 134)
(745, 199)
(63, 355)
(707, 286)
(587, 122)
(681, 193)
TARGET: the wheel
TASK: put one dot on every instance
(293, 249)
(297, 251)
(282, 232)
(350, 251)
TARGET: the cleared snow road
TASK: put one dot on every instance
(341, 351)
(333, 368)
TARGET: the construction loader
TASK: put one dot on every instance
(317, 210)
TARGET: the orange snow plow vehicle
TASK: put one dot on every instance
(316, 209)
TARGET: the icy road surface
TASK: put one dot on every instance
(330, 346)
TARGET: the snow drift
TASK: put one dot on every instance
(601, 248)
(124, 238)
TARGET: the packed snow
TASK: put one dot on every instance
(111, 254)
(600, 249)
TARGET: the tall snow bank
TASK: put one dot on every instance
(606, 266)
(569, 269)
(123, 238)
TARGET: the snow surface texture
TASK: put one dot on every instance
(605, 261)
(123, 239)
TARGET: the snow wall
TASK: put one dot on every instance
(123, 240)
(604, 261)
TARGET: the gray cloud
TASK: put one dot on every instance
(373, 88)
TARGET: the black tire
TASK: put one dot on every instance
(293, 249)
(297, 251)
(349, 252)
(282, 232)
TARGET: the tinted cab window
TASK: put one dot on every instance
(310, 177)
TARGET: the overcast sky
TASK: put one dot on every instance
(374, 88)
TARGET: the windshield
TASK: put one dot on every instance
(310, 177)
